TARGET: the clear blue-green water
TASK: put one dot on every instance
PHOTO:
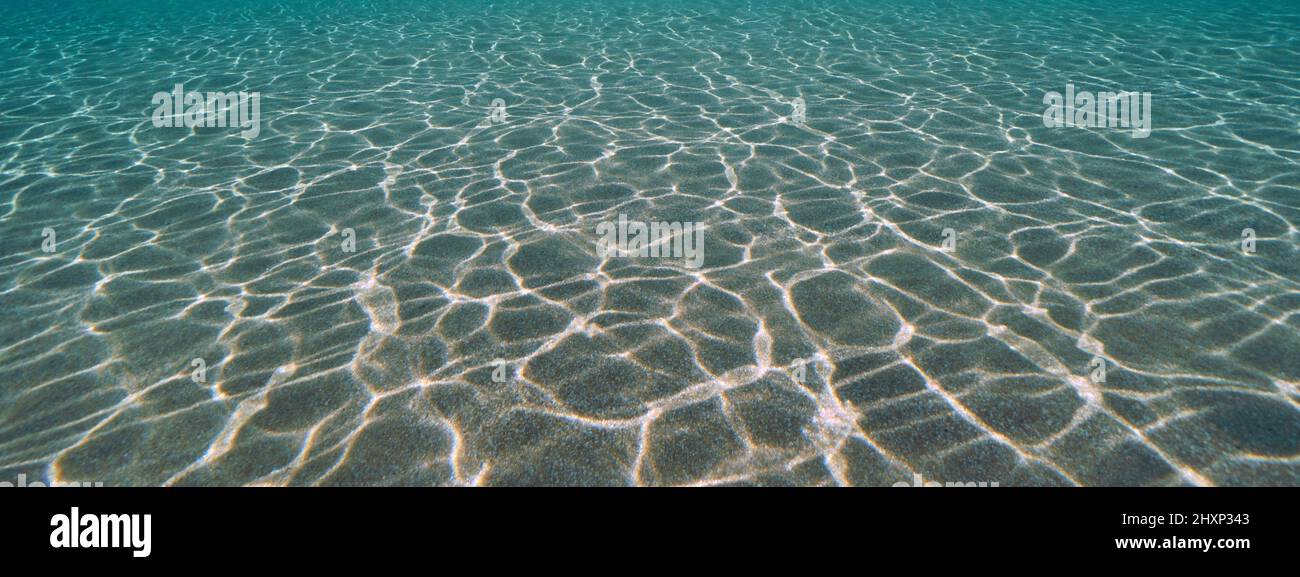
(130, 250)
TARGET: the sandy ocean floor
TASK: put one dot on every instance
(399, 280)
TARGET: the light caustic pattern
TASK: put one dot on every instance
(824, 242)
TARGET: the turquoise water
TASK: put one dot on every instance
(472, 333)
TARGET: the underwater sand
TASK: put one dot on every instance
(476, 241)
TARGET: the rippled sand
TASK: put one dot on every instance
(477, 241)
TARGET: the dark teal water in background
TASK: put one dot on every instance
(476, 241)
